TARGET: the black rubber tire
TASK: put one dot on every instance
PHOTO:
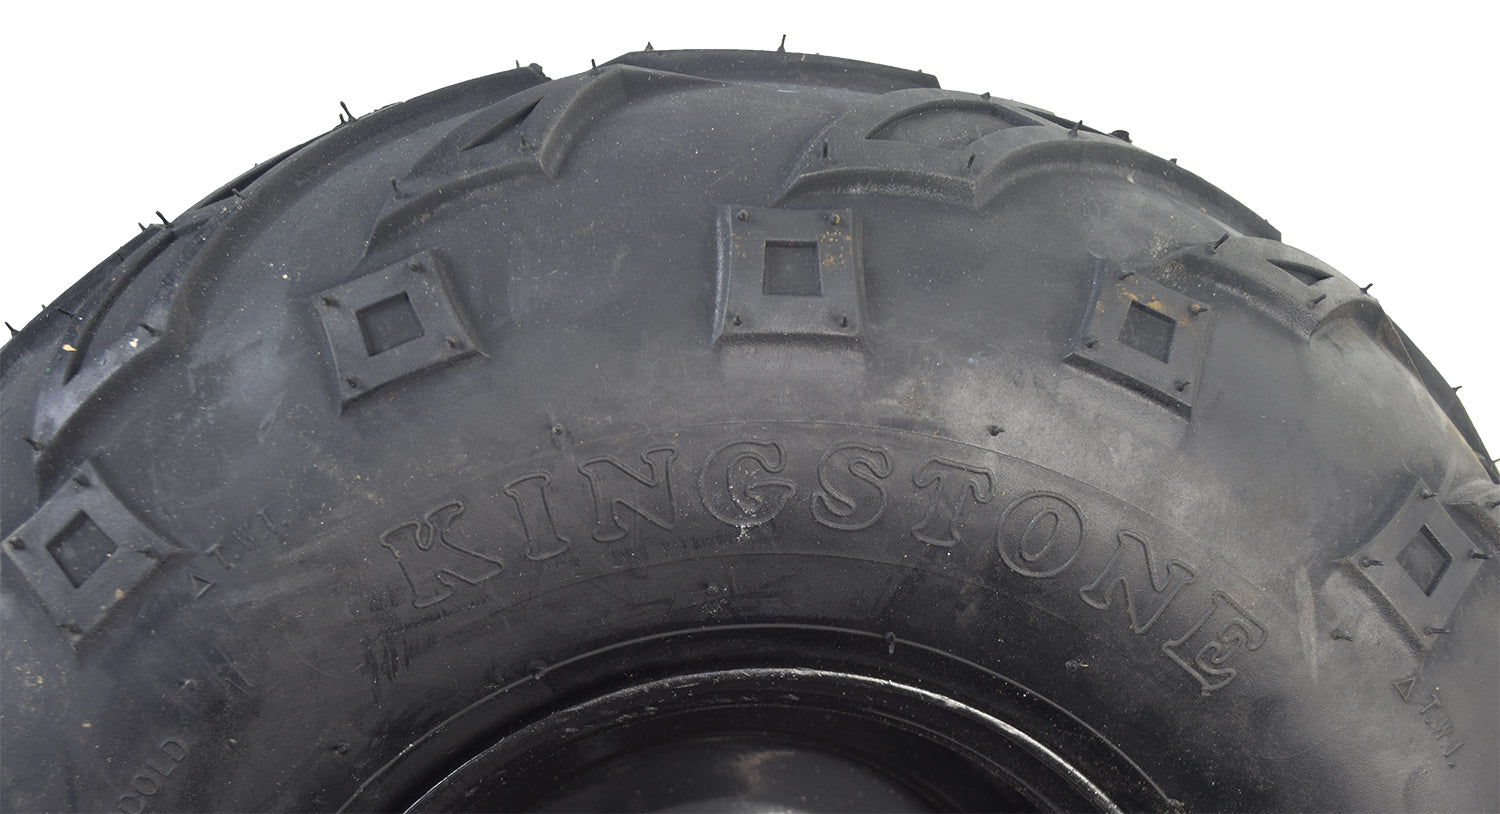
(720, 429)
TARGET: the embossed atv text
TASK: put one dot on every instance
(1038, 536)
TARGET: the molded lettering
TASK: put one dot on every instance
(1206, 650)
(1132, 571)
(956, 484)
(530, 496)
(431, 560)
(735, 486)
(851, 496)
(1040, 535)
(616, 487)
(149, 780)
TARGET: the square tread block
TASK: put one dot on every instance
(1139, 333)
(1421, 562)
(787, 273)
(84, 553)
(390, 324)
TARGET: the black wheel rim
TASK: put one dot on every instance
(768, 739)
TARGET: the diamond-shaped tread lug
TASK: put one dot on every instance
(1421, 562)
(390, 324)
(787, 274)
(84, 553)
(1143, 335)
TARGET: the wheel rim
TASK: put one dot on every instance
(767, 739)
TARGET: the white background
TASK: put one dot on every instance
(1365, 134)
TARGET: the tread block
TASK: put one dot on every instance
(1421, 563)
(121, 276)
(967, 149)
(58, 407)
(93, 363)
(950, 126)
(916, 142)
(1293, 288)
(1296, 291)
(779, 67)
(243, 181)
(149, 268)
(1144, 335)
(788, 273)
(1306, 275)
(1478, 504)
(528, 134)
(390, 324)
(84, 552)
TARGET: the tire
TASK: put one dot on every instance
(725, 430)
